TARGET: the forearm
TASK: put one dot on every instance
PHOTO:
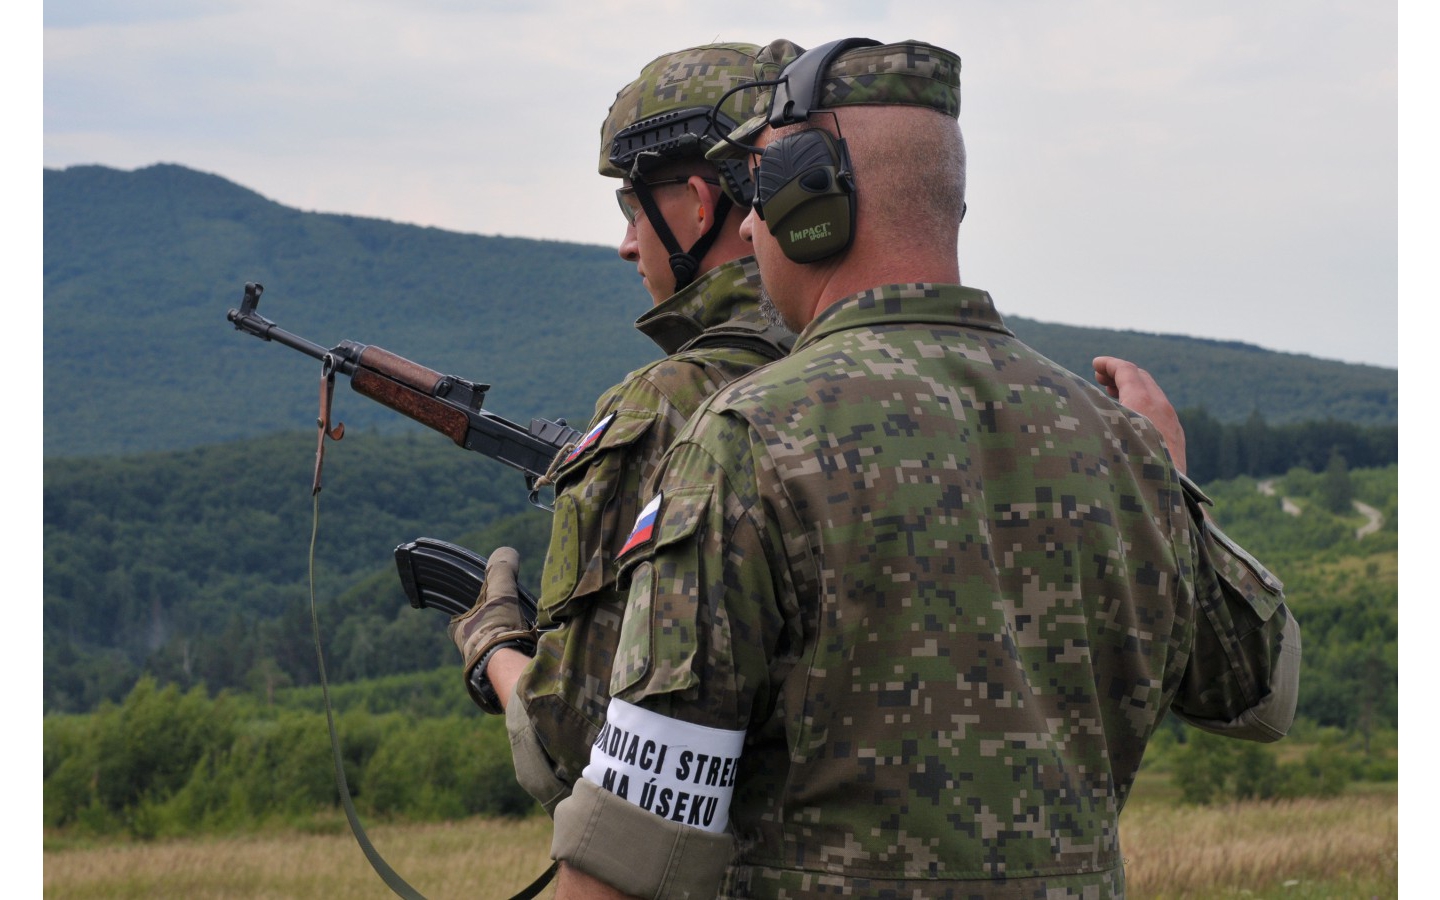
(503, 670)
(574, 884)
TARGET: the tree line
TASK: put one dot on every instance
(1217, 450)
(177, 752)
(191, 567)
(163, 762)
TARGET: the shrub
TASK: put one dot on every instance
(445, 768)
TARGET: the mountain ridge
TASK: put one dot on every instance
(141, 266)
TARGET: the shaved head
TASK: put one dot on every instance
(909, 171)
(908, 164)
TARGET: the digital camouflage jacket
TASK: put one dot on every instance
(713, 333)
(907, 606)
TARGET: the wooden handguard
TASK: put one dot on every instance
(400, 369)
(409, 389)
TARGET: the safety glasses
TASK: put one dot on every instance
(630, 205)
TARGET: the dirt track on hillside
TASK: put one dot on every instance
(1374, 518)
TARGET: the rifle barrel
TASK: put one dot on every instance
(266, 330)
(449, 405)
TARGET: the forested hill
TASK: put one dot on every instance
(179, 451)
(141, 267)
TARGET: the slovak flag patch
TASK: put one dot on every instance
(591, 437)
(644, 528)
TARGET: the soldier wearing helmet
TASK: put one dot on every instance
(678, 205)
(682, 232)
(907, 605)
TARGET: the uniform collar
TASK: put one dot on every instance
(917, 302)
(724, 294)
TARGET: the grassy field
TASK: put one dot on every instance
(479, 858)
(1305, 849)
(1345, 847)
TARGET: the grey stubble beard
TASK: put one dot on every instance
(771, 313)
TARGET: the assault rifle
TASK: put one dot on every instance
(450, 405)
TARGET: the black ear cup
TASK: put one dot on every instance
(806, 195)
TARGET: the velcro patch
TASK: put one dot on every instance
(590, 437)
(677, 770)
(644, 529)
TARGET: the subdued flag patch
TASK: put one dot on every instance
(590, 437)
(644, 528)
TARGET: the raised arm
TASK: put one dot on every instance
(1136, 389)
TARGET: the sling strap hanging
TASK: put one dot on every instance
(392, 879)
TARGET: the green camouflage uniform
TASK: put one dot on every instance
(946, 590)
(713, 334)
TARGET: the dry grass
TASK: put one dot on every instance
(1346, 847)
(479, 858)
(1343, 847)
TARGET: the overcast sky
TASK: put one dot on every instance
(1221, 169)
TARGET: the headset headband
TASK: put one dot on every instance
(798, 91)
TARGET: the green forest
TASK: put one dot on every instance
(176, 460)
(142, 267)
(175, 755)
(191, 566)
(180, 677)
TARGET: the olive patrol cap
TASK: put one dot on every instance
(910, 73)
(665, 111)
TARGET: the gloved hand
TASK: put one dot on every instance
(494, 622)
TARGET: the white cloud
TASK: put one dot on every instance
(1224, 170)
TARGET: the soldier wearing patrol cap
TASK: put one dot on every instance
(682, 231)
(907, 605)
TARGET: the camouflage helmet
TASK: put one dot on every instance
(663, 115)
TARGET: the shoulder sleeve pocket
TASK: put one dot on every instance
(682, 512)
(615, 430)
(587, 480)
(1243, 574)
(658, 638)
(1246, 648)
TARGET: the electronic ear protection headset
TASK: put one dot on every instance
(797, 90)
(805, 193)
(804, 186)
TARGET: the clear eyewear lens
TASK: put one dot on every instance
(630, 204)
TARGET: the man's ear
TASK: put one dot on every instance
(704, 196)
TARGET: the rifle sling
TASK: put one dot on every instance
(387, 874)
(327, 396)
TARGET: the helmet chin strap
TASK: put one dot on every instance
(685, 264)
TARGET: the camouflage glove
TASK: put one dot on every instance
(495, 622)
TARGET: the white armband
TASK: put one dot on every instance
(676, 770)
